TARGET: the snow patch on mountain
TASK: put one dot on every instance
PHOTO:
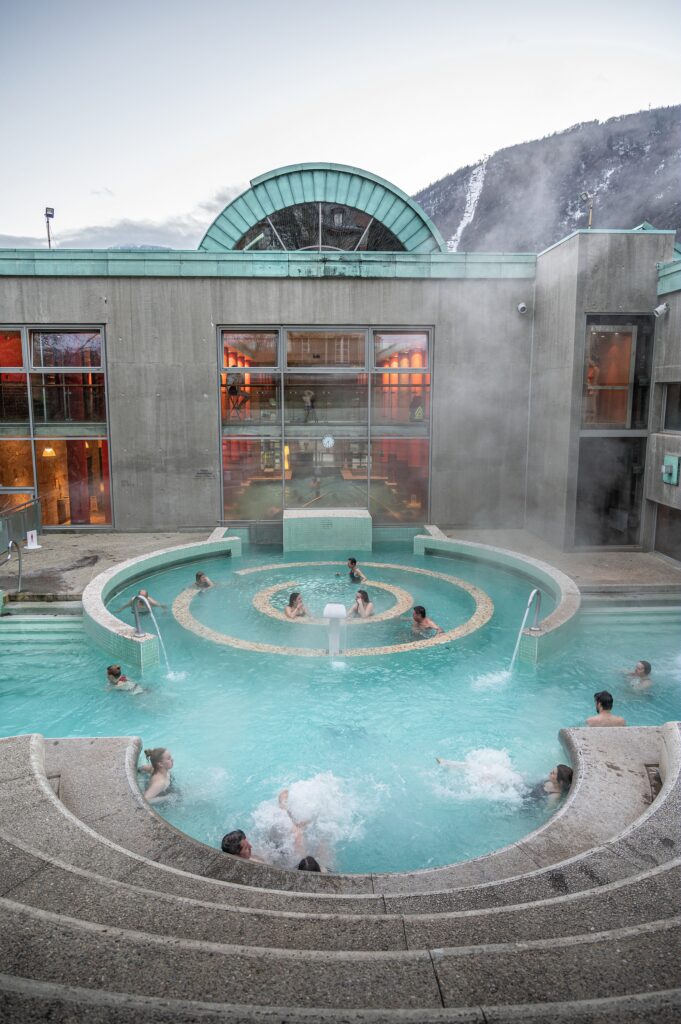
(473, 190)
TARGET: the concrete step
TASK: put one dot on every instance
(54, 948)
(27, 1000)
(47, 609)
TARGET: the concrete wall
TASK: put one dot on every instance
(590, 272)
(163, 379)
(667, 367)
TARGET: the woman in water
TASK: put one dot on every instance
(295, 609)
(160, 762)
(362, 607)
(556, 786)
(117, 681)
(202, 582)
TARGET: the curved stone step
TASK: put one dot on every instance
(31, 1001)
(53, 948)
(44, 883)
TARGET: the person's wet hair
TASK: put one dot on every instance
(564, 776)
(154, 755)
(646, 666)
(352, 561)
(605, 699)
(231, 843)
(363, 594)
(420, 610)
(114, 670)
(293, 597)
(309, 864)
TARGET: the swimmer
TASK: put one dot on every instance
(299, 837)
(160, 762)
(202, 582)
(640, 677)
(117, 681)
(363, 608)
(604, 715)
(355, 573)
(309, 864)
(237, 845)
(420, 623)
(142, 606)
(556, 786)
(295, 609)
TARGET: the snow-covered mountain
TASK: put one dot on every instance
(526, 197)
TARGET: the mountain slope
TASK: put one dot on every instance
(526, 197)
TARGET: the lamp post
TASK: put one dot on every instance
(587, 197)
(49, 214)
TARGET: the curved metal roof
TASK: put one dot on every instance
(324, 183)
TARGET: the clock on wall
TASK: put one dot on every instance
(328, 441)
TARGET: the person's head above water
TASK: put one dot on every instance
(237, 844)
(309, 864)
(115, 671)
(419, 612)
(562, 775)
(293, 599)
(352, 562)
(143, 593)
(200, 576)
(159, 758)
(642, 669)
(604, 700)
(363, 596)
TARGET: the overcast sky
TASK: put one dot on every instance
(138, 120)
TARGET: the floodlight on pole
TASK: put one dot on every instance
(587, 197)
(49, 215)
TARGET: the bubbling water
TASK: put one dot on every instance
(327, 811)
(491, 680)
(484, 774)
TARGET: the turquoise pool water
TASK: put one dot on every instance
(354, 738)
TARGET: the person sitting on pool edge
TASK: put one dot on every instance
(363, 608)
(640, 677)
(202, 582)
(355, 573)
(295, 609)
(237, 845)
(420, 621)
(142, 606)
(604, 715)
(117, 681)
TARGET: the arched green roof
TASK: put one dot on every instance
(324, 183)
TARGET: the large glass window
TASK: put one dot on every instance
(401, 350)
(252, 479)
(672, 407)
(16, 464)
(242, 349)
(66, 348)
(11, 354)
(323, 475)
(617, 373)
(68, 397)
(401, 399)
(325, 348)
(328, 399)
(250, 400)
(14, 415)
(609, 491)
(320, 226)
(73, 482)
(399, 480)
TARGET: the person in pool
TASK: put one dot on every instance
(295, 609)
(556, 786)
(420, 623)
(117, 681)
(604, 716)
(236, 843)
(363, 608)
(142, 606)
(202, 582)
(159, 765)
(640, 677)
(355, 573)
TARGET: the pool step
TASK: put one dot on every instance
(42, 608)
(40, 628)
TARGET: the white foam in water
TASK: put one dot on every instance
(491, 680)
(484, 774)
(176, 677)
(324, 802)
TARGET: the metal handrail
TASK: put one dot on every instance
(10, 545)
(136, 612)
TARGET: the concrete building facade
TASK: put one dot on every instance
(161, 390)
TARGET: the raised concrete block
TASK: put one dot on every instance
(331, 529)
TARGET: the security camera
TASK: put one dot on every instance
(522, 307)
(661, 310)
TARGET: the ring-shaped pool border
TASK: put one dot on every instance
(262, 602)
(484, 609)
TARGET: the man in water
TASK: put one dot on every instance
(355, 573)
(142, 606)
(420, 623)
(604, 715)
(116, 679)
(236, 844)
(640, 677)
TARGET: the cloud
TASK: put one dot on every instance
(104, 191)
(180, 232)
